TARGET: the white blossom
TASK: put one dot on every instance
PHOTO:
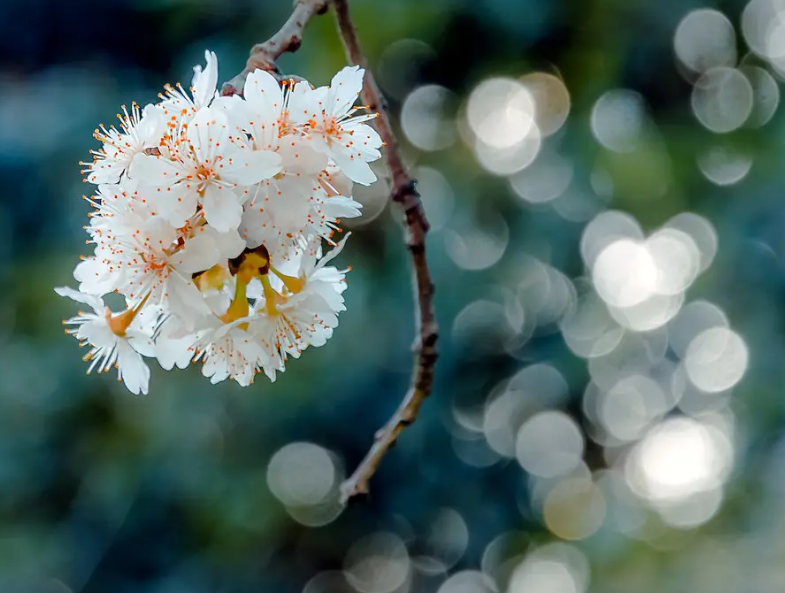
(298, 311)
(229, 351)
(115, 340)
(333, 129)
(139, 130)
(210, 216)
(177, 100)
(205, 167)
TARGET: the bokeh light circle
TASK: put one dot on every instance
(549, 444)
(574, 509)
(618, 120)
(301, 474)
(625, 273)
(377, 563)
(500, 112)
(678, 459)
(424, 118)
(716, 359)
(705, 39)
(551, 101)
(722, 99)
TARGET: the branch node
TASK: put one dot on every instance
(287, 39)
(405, 190)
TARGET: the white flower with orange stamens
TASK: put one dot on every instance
(156, 262)
(229, 351)
(115, 340)
(226, 347)
(206, 167)
(203, 91)
(210, 217)
(139, 130)
(291, 208)
(300, 310)
(327, 117)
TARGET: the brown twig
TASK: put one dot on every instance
(405, 195)
(287, 39)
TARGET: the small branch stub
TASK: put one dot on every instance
(287, 39)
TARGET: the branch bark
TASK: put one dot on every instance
(287, 39)
(405, 195)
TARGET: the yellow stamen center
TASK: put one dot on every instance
(251, 267)
(212, 278)
(120, 323)
(294, 285)
(239, 306)
(272, 298)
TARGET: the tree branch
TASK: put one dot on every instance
(405, 195)
(287, 39)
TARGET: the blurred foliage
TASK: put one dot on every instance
(199, 488)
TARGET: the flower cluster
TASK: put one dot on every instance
(209, 218)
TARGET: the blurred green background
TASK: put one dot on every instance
(605, 182)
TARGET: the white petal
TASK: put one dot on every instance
(141, 342)
(94, 277)
(155, 170)
(105, 172)
(97, 332)
(145, 321)
(355, 169)
(172, 350)
(269, 370)
(366, 139)
(334, 252)
(249, 167)
(95, 302)
(341, 207)
(177, 203)
(336, 181)
(252, 228)
(208, 134)
(298, 155)
(222, 208)
(204, 81)
(264, 96)
(132, 369)
(344, 89)
(229, 243)
(160, 233)
(306, 103)
(186, 301)
(152, 126)
(198, 254)
(236, 111)
(216, 368)
(218, 301)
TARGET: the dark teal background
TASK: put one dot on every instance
(168, 493)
